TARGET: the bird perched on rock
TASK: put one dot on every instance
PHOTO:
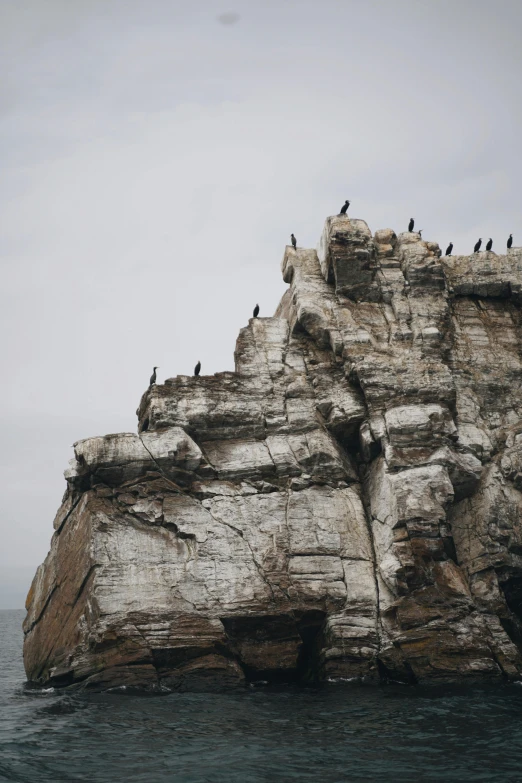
(477, 246)
(449, 249)
(256, 311)
(197, 368)
(153, 376)
(419, 232)
(344, 208)
(489, 244)
(294, 241)
(411, 224)
(510, 241)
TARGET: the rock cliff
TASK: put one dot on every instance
(347, 503)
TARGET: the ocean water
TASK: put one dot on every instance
(332, 734)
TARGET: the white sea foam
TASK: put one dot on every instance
(344, 679)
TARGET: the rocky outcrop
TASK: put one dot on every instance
(347, 503)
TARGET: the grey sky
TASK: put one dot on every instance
(156, 156)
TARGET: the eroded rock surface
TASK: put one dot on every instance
(347, 503)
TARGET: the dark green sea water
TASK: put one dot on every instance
(333, 734)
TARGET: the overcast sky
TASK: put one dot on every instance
(156, 156)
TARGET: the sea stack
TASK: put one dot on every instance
(345, 504)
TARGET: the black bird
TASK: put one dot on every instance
(153, 376)
(197, 368)
(411, 224)
(449, 249)
(294, 241)
(477, 246)
(489, 244)
(256, 311)
(510, 241)
(419, 232)
(344, 208)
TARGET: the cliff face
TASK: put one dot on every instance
(347, 503)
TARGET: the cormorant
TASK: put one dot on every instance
(294, 241)
(197, 368)
(153, 376)
(477, 246)
(510, 241)
(490, 244)
(449, 249)
(256, 311)
(344, 208)
(411, 224)
(419, 232)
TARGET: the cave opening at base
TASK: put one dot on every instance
(512, 589)
(277, 648)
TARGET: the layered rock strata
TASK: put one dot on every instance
(347, 503)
